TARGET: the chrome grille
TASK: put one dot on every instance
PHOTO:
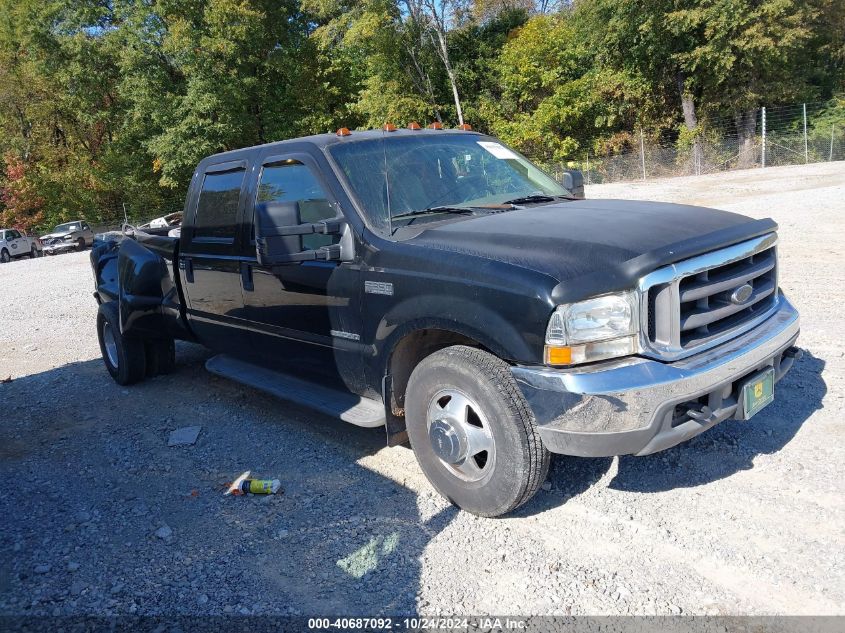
(706, 300)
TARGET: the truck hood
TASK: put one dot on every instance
(606, 245)
(50, 236)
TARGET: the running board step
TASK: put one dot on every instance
(347, 406)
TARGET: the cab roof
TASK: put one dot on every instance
(325, 140)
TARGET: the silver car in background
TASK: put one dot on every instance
(70, 236)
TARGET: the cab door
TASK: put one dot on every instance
(209, 263)
(17, 243)
(305, 316)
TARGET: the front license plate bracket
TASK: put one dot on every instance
(757, 392)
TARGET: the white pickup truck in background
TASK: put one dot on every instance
(14, 244)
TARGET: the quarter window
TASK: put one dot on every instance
(217, 209)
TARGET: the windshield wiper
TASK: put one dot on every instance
(441, 209)
(534, 197)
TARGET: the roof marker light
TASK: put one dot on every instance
(413, 125)
(389, 127)
(344, 131)
(437, 125)
(465, 126)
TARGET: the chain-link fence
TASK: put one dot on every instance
(785, 135)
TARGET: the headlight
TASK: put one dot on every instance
(68, 237)
(594, 329)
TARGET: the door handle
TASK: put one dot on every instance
(187, 265)
(246, 276)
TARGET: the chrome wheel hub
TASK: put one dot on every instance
(449, 442)
(110, 344)
(460, 435)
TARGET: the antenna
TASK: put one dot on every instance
(125, 217)
(386, 182)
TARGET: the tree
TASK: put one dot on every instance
(22, 206)
(727, 55)
(555, 102)
(439, 17)
(743, 54)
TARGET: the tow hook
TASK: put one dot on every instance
(700, 415)
(787, 360)
(794, 352)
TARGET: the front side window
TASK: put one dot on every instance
(291, 181)
(217, 208)
(403, 174)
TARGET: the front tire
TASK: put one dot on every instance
(124, 356)
(5, 258)
(473, 433)
(33, 253)
(80, 244)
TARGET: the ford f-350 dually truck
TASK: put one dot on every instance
(437, 283)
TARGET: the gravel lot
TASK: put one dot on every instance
(744, 519)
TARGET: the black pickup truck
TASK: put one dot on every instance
(438, 284)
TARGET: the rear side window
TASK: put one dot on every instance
(217, 209)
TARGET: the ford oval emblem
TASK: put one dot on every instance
(741, 294)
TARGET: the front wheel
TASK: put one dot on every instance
(80, 244)
(473, 433)
(124, 356)
(33, 252)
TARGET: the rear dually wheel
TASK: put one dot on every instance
(124, 356)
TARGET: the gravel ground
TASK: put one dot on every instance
(101, 517)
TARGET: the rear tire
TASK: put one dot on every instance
(160, 356)
(496, 418)
(124, 356)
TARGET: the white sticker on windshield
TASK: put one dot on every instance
(499, 151)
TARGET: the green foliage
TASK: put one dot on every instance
(106, 104)
(555, 101)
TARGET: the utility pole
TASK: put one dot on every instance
(806, 153)
(642, 152)
(764, 137)
(832, 126)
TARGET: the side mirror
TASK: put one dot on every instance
(272, 245)
(573, 179)
(279, 230)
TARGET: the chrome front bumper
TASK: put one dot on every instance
(636, 405)
(59, 248)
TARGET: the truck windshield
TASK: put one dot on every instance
(402, 175)
(64, 228)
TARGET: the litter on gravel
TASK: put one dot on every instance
(185, 436)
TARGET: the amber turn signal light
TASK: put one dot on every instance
(558, 355)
